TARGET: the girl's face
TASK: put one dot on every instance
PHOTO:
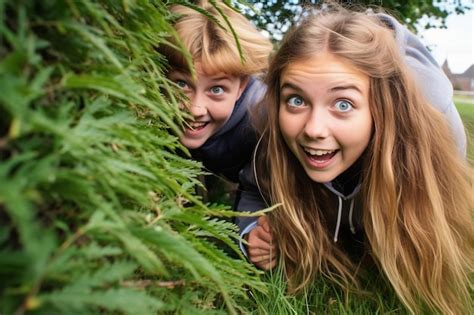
(212, 98)
(324, 114)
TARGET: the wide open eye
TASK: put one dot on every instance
(295, 101)
(182, 84)
(216, 90)
(343, 106)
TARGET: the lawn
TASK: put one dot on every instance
(465, 106)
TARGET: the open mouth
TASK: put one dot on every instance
(196, 125)
(320, 156)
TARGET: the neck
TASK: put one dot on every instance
(350, 178)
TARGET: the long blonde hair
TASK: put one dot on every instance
(210, 41)
(416, 190)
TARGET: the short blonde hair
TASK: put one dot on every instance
(214, 45)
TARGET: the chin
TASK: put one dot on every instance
(322, 176)
(192, 144)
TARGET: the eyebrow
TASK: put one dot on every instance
(177, 73)
(221, 78)
(346, 87)
(288, 85)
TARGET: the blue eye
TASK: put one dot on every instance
(182, 84)
(343, 106)
(217, 90)
(295, 101)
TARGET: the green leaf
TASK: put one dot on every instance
(107, 274)
(175, 248)
(71, 299)
(96, 39)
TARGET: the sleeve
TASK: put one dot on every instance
(250, 200)
(434, 84)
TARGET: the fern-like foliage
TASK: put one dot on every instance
(97, 206)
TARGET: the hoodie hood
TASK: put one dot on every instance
(251, 95)
(436, 86)
(433, 83)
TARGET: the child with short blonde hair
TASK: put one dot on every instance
(226, 83)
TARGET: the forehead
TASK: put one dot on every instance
(324, 66)
(202, 73)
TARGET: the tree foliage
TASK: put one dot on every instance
(277, 16)
(97, 206)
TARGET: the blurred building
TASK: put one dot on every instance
(462, 81)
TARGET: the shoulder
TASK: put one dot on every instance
(435, 85)
(253, 92)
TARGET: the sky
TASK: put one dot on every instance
(455, 43)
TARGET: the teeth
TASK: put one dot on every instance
(196, 125)
(318, 152)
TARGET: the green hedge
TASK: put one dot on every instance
(97, 206)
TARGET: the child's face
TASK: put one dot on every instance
(324, 114)
(212, 98)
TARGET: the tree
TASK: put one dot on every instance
(277, 16)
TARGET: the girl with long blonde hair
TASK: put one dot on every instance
(363, 166)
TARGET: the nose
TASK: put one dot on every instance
(317, 125)
(197, 107)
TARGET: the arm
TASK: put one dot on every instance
(250, 199)
(256, 231)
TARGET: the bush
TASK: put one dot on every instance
(97, 206)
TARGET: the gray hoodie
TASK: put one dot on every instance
(434, 84)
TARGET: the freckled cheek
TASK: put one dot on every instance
(290, 128)
(356, 135)
(221, 112)
(290, 132)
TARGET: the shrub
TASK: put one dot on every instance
(97, 206)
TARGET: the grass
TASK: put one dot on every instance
(323, 297)
(464, 99)
(465, 106)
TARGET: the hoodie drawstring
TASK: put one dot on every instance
(339, 216)
(353, 230)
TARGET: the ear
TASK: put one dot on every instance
(243, 84)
